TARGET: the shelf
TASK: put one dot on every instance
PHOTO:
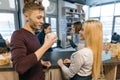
(70, 15)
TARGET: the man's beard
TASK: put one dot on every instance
(32, 24)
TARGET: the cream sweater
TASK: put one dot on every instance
(81, 63)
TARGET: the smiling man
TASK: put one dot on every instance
(26, 50)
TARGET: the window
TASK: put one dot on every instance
(9, 18)
(107, 10)
(105, 13)
(7, 25)
(117, 25)
(54, 28)
(95, 11)
(107, 28)
(117, 9)
(53, 24)
(46, 20)
(7, 5)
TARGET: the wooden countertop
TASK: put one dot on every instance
(7, 67)
(58, 53)
(112, 61)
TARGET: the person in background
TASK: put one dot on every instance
(76, 42)
(4, 45)
(115, 38)
(46, 28)
(85, 63)
(2, 41)
(26, 50)
(75, 29)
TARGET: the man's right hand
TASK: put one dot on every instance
(50, 41)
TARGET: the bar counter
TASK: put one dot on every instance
(53, 73)
(112, 69)
(111, 66)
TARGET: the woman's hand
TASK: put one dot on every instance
(66, 61)
(60, 62)
(46, 63)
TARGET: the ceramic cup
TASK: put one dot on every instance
(51, 35)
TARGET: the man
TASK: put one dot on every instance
(115, 38)
(25, 47)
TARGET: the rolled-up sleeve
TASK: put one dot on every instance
(76, 62)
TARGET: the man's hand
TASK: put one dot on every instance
(46, 63)
(60, 62)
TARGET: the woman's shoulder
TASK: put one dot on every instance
(83, 51)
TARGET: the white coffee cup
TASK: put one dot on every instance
(51, 35)
(69, 37)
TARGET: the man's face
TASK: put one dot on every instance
(36, 19)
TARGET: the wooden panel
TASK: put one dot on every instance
(53, 74)
(110, 72)
(8, 75)
(118, 72)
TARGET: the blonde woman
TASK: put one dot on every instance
(85, 63)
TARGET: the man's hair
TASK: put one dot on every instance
(31, 6)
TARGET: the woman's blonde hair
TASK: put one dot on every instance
(93, 37)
